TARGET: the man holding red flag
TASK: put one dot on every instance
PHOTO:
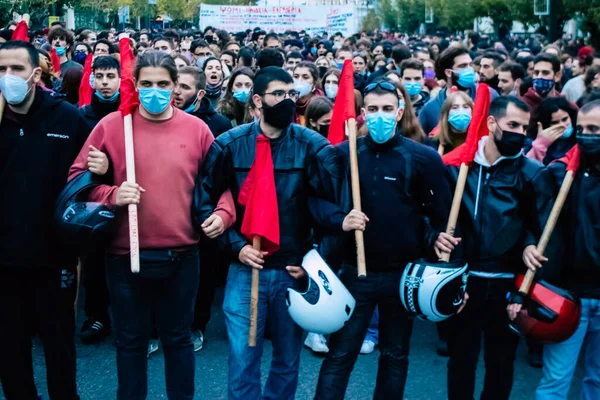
(289, 164)
(498, 227)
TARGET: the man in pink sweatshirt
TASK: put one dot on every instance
(170, 148)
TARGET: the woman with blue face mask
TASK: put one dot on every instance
(554, 130)
(306, 82)
(331, 82)
(235, 101)
(454, 122)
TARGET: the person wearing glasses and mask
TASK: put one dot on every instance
(406, 202)
(306, 167)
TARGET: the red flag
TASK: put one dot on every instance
(21, 32)
(129, 97)
(343, 107)
(465, 153)
(259, 195)
(55, 60)
(572, 159)
(85, 90)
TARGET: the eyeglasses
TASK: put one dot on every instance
(385, 85)
(207, 54)
(281, 95)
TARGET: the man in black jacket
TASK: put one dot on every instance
(40, 136)
(407, 201)
(105, 100)
(304, 165)
(189, 97)
(498, 228)
(574, 262)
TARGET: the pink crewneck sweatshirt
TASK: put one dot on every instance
(168, 156)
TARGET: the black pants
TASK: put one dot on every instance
(485, 313)
(395, 327)
(94, 282)
(140, 301)
(41, 301)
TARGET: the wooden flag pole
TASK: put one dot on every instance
(360, 240)
(441, 149)
(549, 228)
(254, 297)
(456, 201)
(134, 243)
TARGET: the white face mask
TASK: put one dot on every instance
(14, 88)
(331, 90)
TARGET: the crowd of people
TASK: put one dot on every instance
(206, 99)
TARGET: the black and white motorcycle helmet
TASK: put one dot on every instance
(433, 290)
(326, 304)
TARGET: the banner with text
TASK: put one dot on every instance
(312, 19)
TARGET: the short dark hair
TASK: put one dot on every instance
(316, 108)
(269, 58)
(60, 32)
(34, 56)
(156, 59)
(591, 106)
(446, 60)
(400, 53)
(411, 63)
(549, 58)
(516, 70)
(111, 48)
(474, 36)
(106, 62)
(229, 53)
(498, 59)
(197, 74)
(246, 54)
(271, 35)
(198, 43)
(164, 39)
(208, 60)
(500, 105)
(294, 54)
(267, 75)
(87, 46)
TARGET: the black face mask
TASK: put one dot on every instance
(281, 115)
(323, 130)
(589, 144)
(323, 71)
(510, 144)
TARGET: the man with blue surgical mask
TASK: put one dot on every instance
(62, 40)
(401, 183)
(412, 71)
(200, 52)
(455, 66)
(189, 97)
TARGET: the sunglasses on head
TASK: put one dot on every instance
(385, 85)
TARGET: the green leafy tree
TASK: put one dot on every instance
(371, 21)
(411, 14)
(388, 14)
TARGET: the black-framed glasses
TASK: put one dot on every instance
(281, 95)
(385, 85)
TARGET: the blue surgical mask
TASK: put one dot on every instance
(60, 51)
(401, 104)
(413, 88)
(200, 62)
(155, 100)
(302, 87)
(191, 107)
(14, 88)
(459, 119)
(241, 95)
(331, 91)
(381, 126)
(543, 86)
(313, 51)
(466, 77)
(111, 99)
(340, 65)
(568, 132)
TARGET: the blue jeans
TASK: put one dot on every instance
(380, 289)
(560, 359)
(138, 303)
(373, 331)
(286, 336)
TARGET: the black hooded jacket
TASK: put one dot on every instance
(96, 110)
(217, 123)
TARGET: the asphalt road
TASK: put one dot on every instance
(97, 378)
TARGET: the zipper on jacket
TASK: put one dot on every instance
(477, 195)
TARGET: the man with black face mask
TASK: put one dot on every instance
(498, 229)
(306, 165)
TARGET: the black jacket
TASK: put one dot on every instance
(406, 198)
(418, 105)
(305, 165)
(217, 123)
(36, 152)
(498, 214)
(96, 110)
(574, 249)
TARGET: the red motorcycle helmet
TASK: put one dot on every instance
(550, 314)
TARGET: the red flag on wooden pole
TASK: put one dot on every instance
(343, 107)
(85, 90)
(21, 32)
(55, 60)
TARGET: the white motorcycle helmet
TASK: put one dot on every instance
(326, 304)
(433, 290)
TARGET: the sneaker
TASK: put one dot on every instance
(197, 340)
(367, 347)
(316, 343)
(152, 346)
(442, 349)
(92, 331)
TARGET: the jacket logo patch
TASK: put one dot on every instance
(387, 178)
(56, 135)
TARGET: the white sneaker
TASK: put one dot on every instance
(152, 346)
(197, 340)
(367, 347)
(316, 343)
